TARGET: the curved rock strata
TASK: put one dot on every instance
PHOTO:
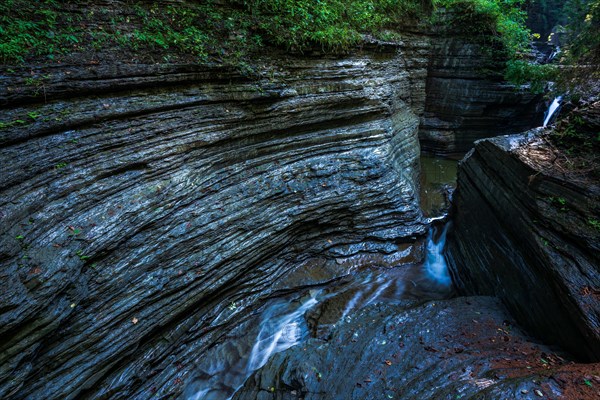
(146, 209)
(524, 233)
(139, 202)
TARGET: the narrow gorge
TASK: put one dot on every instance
(276, 229)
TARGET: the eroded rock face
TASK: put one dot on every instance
(437, 350)
(468, 100)
(147, 209)
(140, 202)
(524, 232)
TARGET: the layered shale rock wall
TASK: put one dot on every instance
(139, 202)
(146, 209)
(467, 99)
(524, 232)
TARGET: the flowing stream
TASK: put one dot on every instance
(288, 321)
(313, 312)
(435, 262)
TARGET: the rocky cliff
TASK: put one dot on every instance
(468, 100)
(147, 208)
(138, 203)
(526, 231)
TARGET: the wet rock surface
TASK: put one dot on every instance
(138, 203)
(291, 319)
(524, 232)
(147, 210)
(444, 349)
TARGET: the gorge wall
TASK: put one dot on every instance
(524, 232)
(147, 208)
(145, 200)
(467, 99)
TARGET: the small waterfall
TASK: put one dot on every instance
(282, 323)
(552, 110)
(553, 54)
(277, 333)
(435, 262)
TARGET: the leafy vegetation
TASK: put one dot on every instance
(33, 28)
(574, 25)
(577, 139)
(223, 31)
(521, 72)
(333, 24)
(228, 31)
(504, 20)
(211, 29)
(500, 27)
(594, 223)
(582, 53)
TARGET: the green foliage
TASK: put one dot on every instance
(582, 54)
(575, 134)
(543, 15)
(33, 28)
(81, 255)
(224, 31)
(584, 28)
(578, 138)
(503, 19)
(576, 26)
(179, 28)
(333, 24)
(521, 72)
(500, 27)
(227, 31)
(559, 202)
(53, 30)
(10, 124)
(594, 223)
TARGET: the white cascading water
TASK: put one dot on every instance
(277, 333)
(281, 326)
(435, 262)
(554, 54)
(282, 323)
(553, 107)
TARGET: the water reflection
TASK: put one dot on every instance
(438, 179)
